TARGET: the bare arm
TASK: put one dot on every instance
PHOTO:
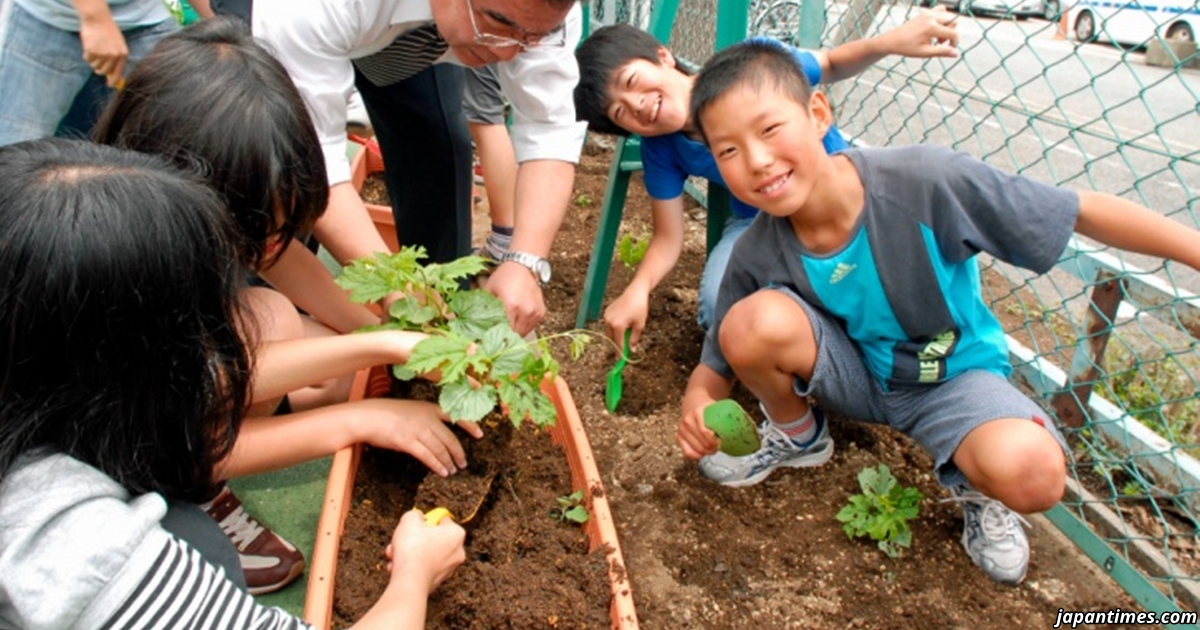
(543, 189)
(300, 276)
(285, 366)
(104, 47)
(930, 34)
(1132, 227)
(631, 308)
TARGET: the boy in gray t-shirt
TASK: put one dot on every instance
(858, 286)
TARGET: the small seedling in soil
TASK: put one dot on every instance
(882, 511)
(570, 508)
(481, 360)
(631, 249)
(583, 200)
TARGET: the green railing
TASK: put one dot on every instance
(1108, 340)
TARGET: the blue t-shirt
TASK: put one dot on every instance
(669, 160)
(905, 284)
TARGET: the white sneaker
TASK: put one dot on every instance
(993, 536)
(777, 450)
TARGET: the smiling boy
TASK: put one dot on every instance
(630, 83)
(859, 287)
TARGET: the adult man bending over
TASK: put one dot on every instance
(330, 46)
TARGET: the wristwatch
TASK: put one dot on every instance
(538, 266)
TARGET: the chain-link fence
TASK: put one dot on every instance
(1092, 96)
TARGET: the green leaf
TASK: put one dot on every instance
(526, 400)
(403, 373)
(579, 343)
(475, 312)
(409, 310)
(445, 277)
(449, 354)
(577, 514)
(461, 401)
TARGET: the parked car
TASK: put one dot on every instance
(1135, 25)
(1048, 9)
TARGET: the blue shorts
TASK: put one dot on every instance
(937, 416)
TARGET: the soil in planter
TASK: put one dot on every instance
(524, 569)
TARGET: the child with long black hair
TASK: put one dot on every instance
(210, 93)
(124, 378)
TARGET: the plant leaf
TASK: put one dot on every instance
(449, 354)
(526, 400)
(461, 401)
(577, 514)
(475, 313)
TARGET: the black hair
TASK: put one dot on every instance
(600, 56)
(119, 333)
(212, 92)
(755, 63)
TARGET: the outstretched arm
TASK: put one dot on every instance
(630, 309)
(1132, 227)
(930, 34)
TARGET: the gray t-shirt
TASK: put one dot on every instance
(905, 284)
(77, 551)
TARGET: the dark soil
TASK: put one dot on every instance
(772, 556)
(524, 569)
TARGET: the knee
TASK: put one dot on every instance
(765, 324)
(273, 316)
(1026, 471)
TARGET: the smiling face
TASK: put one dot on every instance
(523, 20)
(767, 145)
(650, 99)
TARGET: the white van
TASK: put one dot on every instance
(1133, 24)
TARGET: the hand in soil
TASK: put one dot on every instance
(424, 555)
(417, 428)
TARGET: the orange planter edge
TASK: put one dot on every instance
(381, 216)
(567, 433)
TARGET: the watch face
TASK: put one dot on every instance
(543, 271)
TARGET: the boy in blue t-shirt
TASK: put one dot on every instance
(858, 286)
(630, 83)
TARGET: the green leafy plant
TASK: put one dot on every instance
(631, 249)
(882, 511)
(583, 200)
(481, 360)
(570, 508)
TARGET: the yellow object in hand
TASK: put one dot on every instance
(435, 516)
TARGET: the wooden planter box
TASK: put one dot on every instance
(568, 433)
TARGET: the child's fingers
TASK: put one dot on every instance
(472, 428)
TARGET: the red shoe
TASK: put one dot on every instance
(268, 561)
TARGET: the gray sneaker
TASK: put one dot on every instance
(777, 450)
(993, 536)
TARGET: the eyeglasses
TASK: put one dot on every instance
(554, 39)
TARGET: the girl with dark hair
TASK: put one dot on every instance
(211, 94)
(123, 380)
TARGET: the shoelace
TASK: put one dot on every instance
(241, 528)
(994, 519)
